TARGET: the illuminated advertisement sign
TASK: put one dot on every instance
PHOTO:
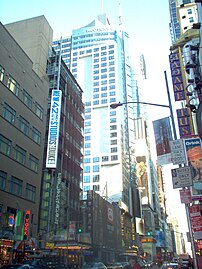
(26, 225)
(54, 126)
(176, 74)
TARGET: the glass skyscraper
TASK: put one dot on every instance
(98, 57)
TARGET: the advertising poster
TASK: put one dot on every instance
(163, 136)
(194, 160)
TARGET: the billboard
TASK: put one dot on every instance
(194, 160)
(163, 136)
(54, 127)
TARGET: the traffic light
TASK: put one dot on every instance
(79, 230)
(148, 233)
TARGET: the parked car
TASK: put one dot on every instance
(149, 263)
(171, 265)
(115, 265)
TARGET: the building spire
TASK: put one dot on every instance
(120, 16)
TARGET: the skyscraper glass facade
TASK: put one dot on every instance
(100, 62)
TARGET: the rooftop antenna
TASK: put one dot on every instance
(120, 16)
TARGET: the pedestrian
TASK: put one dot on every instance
(134, 263)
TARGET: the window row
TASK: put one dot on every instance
(19, 155)
(87, 178)
(95, 188)
(16, 186)
(104, 158)
(24, 125)
(21, 93)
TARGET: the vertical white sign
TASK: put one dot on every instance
(54, 128)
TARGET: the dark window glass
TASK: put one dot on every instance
(24, 125)
(16, 186)
(20, 155)
(3, 177)
(9, 113)
(5, 145)
(30, 192)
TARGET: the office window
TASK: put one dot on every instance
(86, 169)
(104, 88)
(96, 102)
(33, 163)
(36, 135)
(87, 138)
(113, 135)
(87, 130)
(96, 168)
(95, 77)
(191, 19)
(20, 155)
(96, 71)
(5, 145)
(87, 145)
(38, 110)
(86, 160)
(113, 127)
(87, 117)
(96, 187)
(96, 178)
(86, 179)
(114, 158)
(1, 73)
(105, 158)
(112, 100)
(86, 188)
(87, 152)
(103, 59)
(111, 63)
(103, 82)
(104, 76)
(103, 48)
(96, 159)
(16, 186)
(87, 110)
(103, 53)
(23, 125)
(3, 177)
(96, 90)
(113, 113)
(104, 94)
(189, 11)
(13, 85)
(111, 81)
(112, 87)
(113, 93)
(103, 101)
(30, 192)
(95, 96)
(103, 64)
(9, 113)
(26, 98)
(87, 123)
(113, 150)
(112, 120)
(113, 142)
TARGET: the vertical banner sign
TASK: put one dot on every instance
(26, 225)
(54, 127)
(183, 117)
(163, 136)
(176, 74)
(194, 160)
(196, 221)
